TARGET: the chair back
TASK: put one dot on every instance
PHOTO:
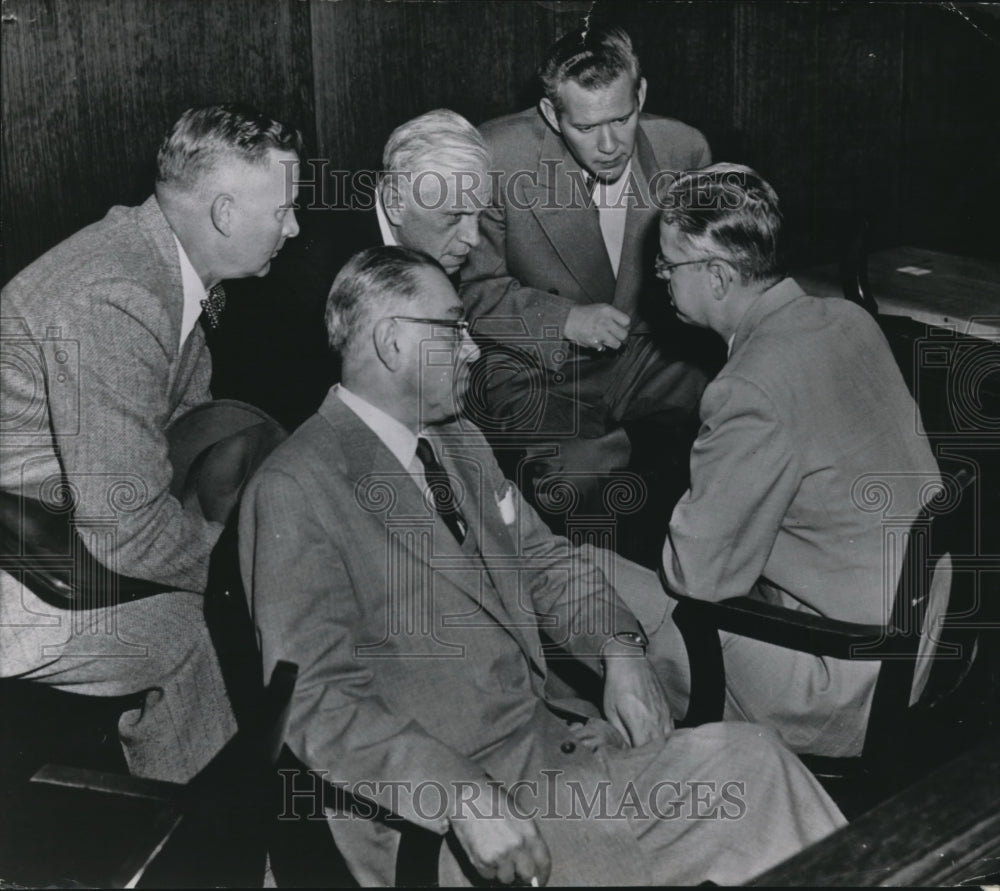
(933, 537)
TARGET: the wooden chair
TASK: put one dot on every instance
(78, 827)
(884, 763)
(302, 850)
(854, 265)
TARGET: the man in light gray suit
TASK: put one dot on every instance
(105, 351)
(383, 550)
(809, 417)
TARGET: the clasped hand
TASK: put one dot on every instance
(597, 326)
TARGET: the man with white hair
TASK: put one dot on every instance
(432, 190)
(105, 353)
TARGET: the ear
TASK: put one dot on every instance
(392, 199)
(222, 213)
(550, 114)
(386, 345)
(720, 278)
(641, 92)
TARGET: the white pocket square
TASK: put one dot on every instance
(506, 503)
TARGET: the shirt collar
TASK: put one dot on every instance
(610, 194)
(194, 292)
(397, 438)
(383, 221)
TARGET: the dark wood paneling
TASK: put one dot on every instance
(951, 130)
(818, 103)
(90, 86)
(379, 63)
(888, 106)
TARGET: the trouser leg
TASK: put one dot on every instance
(157, 647)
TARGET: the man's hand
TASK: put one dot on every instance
(634, 703)
(598, 326)
(597, 734)
(502, 842)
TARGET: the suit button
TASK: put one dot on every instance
(553, 290)
(568, 748)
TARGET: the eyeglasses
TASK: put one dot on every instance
(460, 327)
(664, 269)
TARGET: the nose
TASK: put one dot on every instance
(606, 142)
(291, 228)
(468, 232)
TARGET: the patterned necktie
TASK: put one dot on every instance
(213, 305)
(439, 485)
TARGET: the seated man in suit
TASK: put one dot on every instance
(564, 268)
(105, 353)
(809, 410)
(384, 551)
(273, 352)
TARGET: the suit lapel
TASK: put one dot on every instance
(642, 209)
(502, 598)
(372, 468)
(572, 228)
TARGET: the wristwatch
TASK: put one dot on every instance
(632, 639)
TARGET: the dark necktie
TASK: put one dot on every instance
(213, 305)
(439, 485)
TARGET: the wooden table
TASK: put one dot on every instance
(942, 830)
(940, 289)
(70, 827)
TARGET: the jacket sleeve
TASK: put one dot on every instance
(488, 289)
(570, 587)
(306, 610)
(112, 447)
(744, 476)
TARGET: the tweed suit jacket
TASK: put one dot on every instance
(94, 325)
(541, 251)
(418, 661)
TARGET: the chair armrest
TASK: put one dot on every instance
(41, 546)
(792, 629)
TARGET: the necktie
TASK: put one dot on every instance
(439, 485)
(213, 305)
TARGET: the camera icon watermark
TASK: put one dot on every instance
(523, 386)
(40, 380)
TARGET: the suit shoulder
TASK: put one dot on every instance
(673, 134)
(513, 134)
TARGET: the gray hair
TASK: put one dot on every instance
(594, 57)
(372, 284)
(202, 137)
(438, 136)
(728, 211)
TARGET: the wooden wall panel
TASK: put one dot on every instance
(379, 63)
(951, 130)
(90, 86)
(889, 106)
(817, 103)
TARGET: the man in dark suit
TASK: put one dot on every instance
(105, 352)
(273, 350)
(385, 552)
(565, 264)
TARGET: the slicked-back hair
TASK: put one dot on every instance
(203, 137)
(375, 282)
(594, 57)
(728, 211)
